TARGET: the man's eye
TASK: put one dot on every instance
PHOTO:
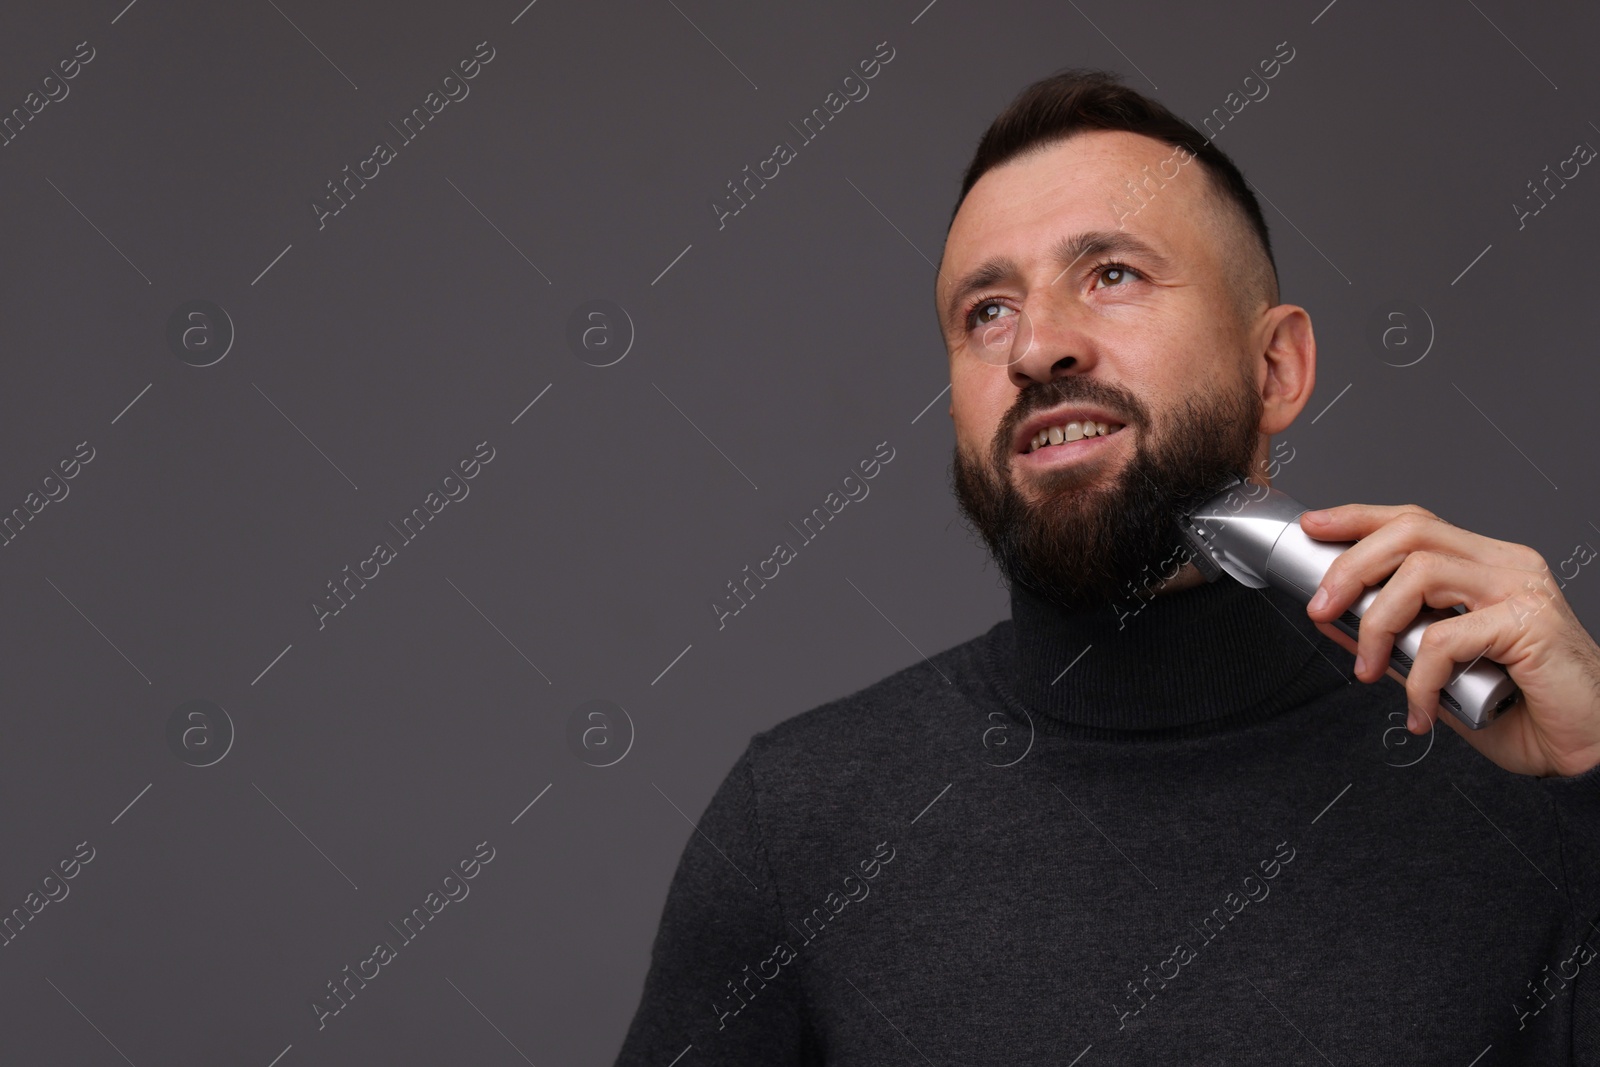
(1115, 274)
(986, 312)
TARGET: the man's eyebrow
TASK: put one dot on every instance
(1067, 251)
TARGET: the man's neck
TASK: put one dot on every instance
(1199, 657)
(1188, 577)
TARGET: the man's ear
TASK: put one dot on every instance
(1288, 349)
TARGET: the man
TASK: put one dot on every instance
(1151, 819)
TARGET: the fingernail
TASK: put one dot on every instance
(1361, 664)
(1319, 600)
(1413, 720)
(1314, 516)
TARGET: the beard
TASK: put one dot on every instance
(1080, 544)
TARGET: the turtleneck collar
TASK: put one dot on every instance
(1189, 662)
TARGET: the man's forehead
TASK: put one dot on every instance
(1087, 181)
(1089, 184)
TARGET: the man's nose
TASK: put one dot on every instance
(1051, 338)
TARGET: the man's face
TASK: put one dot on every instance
(1110, 308)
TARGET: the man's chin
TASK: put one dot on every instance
(1095, 521)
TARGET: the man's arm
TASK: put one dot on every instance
(1516, 616)
(718, 979)
(1577, 810)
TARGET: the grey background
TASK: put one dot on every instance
(772, 356)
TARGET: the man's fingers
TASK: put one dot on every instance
(1350, 521)
(1448, 646)
(1429, 580)
(1338, 637)
(1380, 553)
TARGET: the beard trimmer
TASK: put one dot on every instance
(1252, 533)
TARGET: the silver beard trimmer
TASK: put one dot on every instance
(1251, 532)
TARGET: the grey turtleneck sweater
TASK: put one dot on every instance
(1184, 834)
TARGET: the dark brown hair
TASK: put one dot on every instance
(1076, 100)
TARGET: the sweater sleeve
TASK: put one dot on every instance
(716, 980)
(1577, 809)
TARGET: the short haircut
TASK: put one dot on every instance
(1077, 101)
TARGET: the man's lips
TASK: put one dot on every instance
(1063, 424)
(1067, 452)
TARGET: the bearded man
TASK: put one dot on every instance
(1150, 818)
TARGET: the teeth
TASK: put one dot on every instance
(1072, 431)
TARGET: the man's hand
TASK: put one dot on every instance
(1516, 616)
